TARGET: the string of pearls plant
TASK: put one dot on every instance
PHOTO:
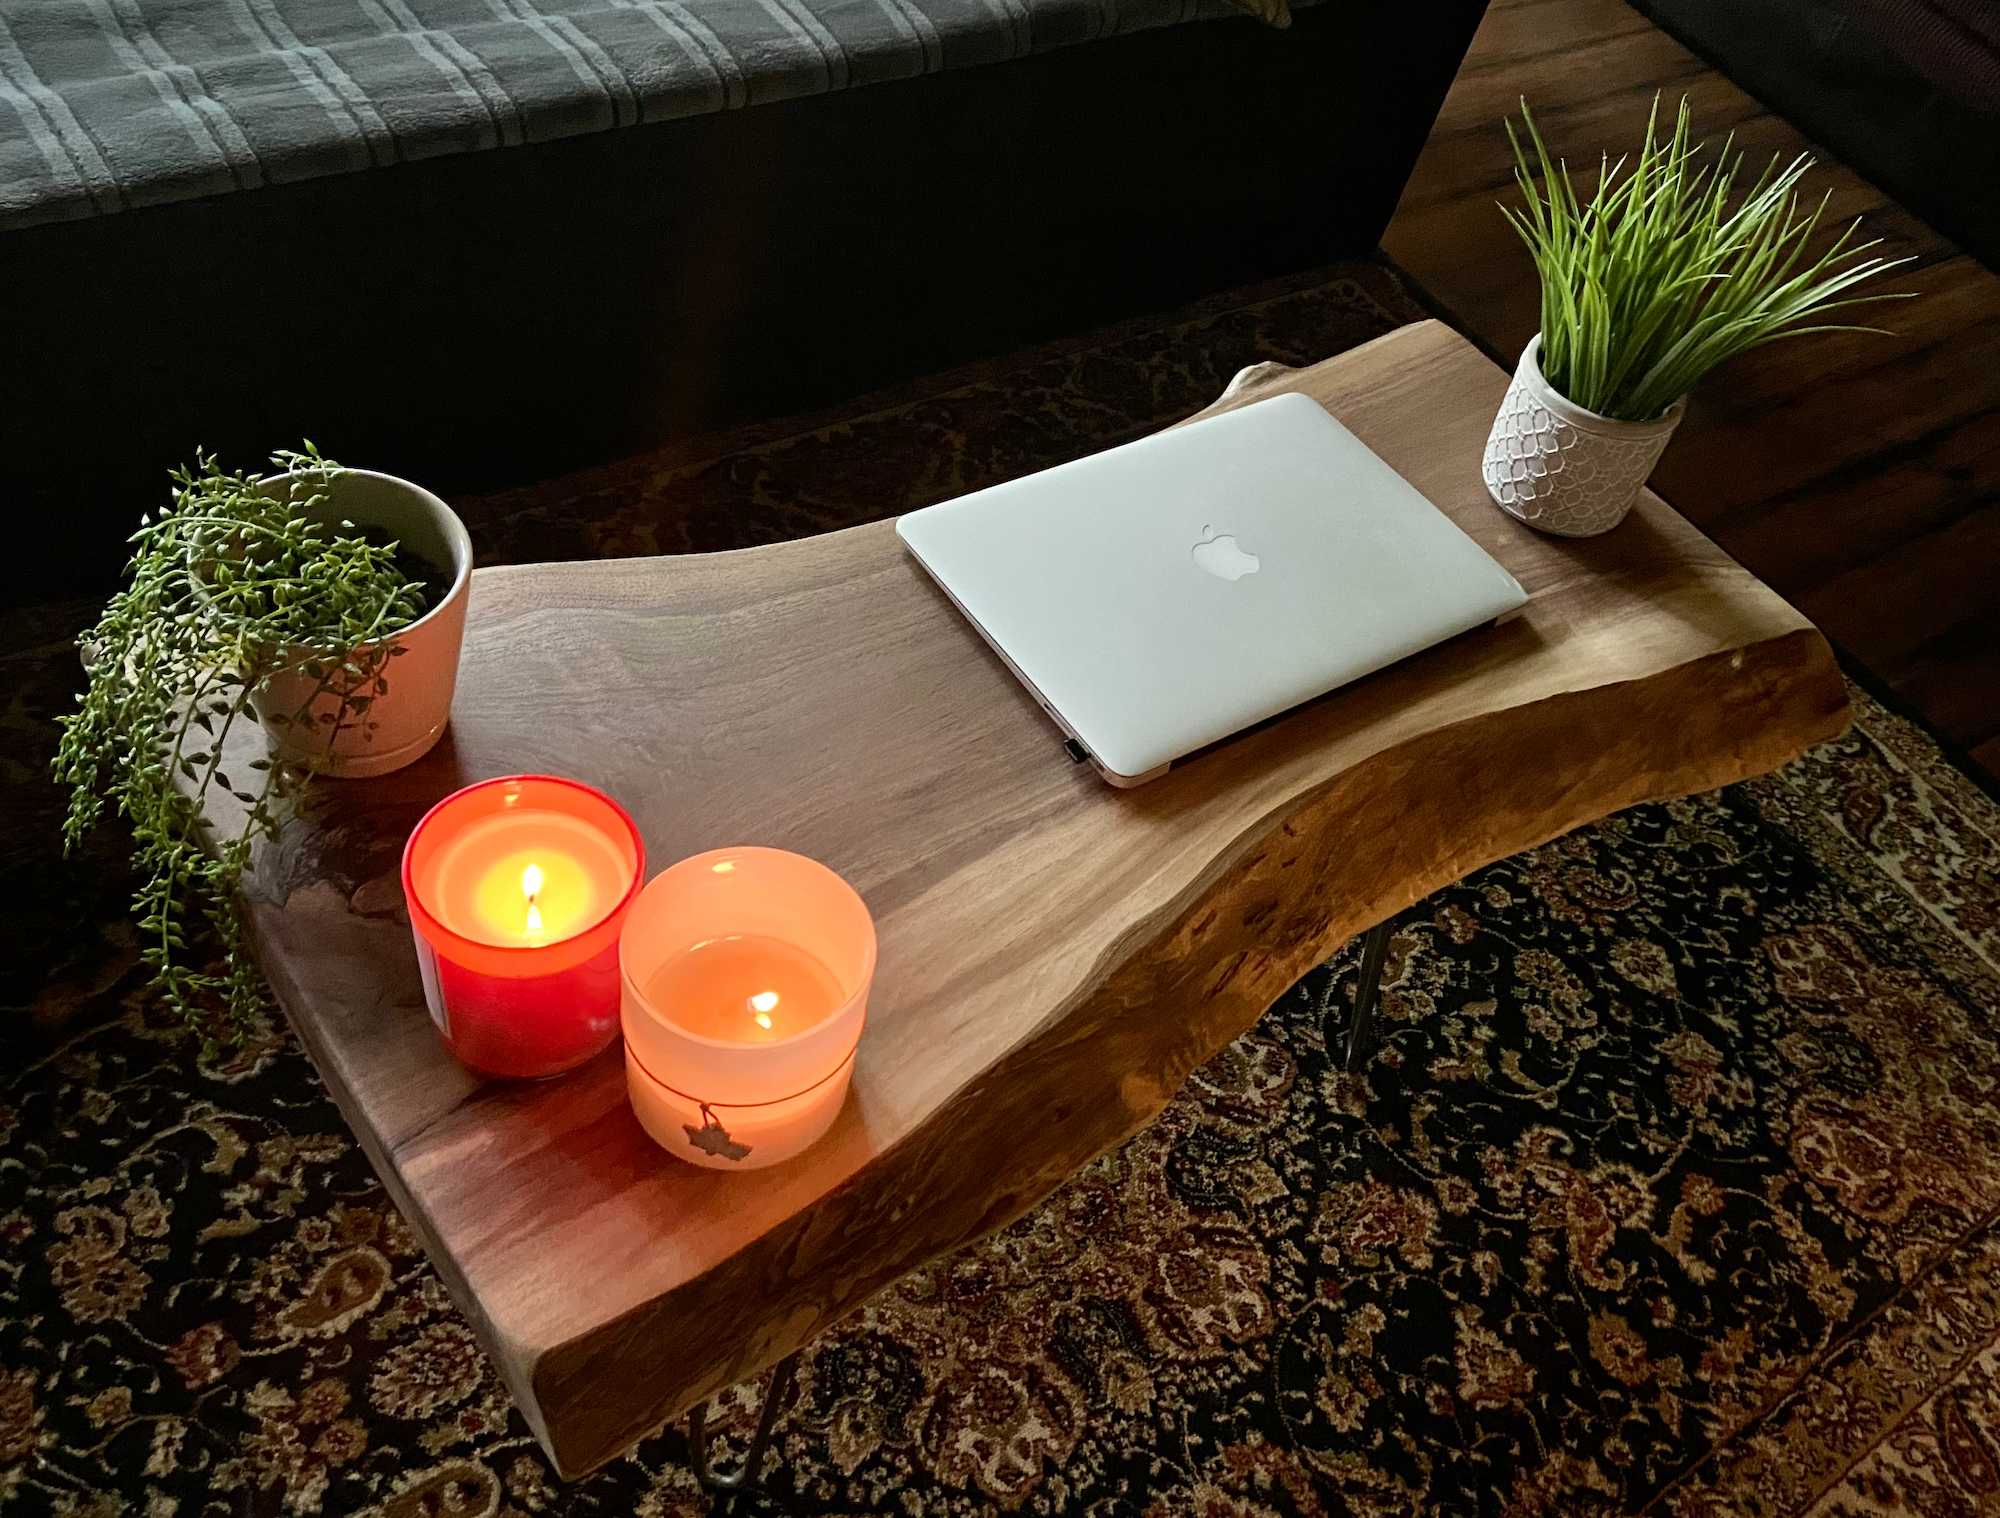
(235, 584)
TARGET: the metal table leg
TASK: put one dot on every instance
(751, 1474)
(1374, 949)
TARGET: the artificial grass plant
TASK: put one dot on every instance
(1656, 278)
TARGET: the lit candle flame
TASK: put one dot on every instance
(761, 1004)
(531, 887)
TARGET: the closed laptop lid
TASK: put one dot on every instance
(1173, 591)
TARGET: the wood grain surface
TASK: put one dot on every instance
(1056, 956)
(1858, 475)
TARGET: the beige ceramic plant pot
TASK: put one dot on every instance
(401, 725)
(1562, 469)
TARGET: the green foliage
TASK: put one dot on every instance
(229, 589)
(1654, 280)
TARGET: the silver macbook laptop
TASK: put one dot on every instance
(1161, 596)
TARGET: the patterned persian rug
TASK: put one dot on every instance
(1673, 1188)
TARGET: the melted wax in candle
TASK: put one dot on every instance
(479, 881)
(748, 990)
(564, 899)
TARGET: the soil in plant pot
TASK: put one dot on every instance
(434, 582)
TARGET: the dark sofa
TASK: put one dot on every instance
(751, 238)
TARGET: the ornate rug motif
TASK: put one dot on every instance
(1672, 1188)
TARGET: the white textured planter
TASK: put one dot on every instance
(401, 726)
(1562, 469)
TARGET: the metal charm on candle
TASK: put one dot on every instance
(745, 977)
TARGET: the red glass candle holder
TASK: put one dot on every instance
(517, 890)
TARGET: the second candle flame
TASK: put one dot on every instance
(531, 887)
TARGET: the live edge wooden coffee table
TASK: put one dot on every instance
(1056, 956)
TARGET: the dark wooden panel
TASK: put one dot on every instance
(1826, 529)
(1957, 676)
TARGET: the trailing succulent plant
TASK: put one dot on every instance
(1665, 271)
(235, 584)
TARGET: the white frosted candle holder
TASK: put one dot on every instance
(710, 1086)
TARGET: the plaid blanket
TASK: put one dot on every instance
(107, 105)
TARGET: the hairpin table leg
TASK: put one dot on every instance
(749, 1475)
(1374, 949)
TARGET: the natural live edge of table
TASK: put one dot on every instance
(1056, 956)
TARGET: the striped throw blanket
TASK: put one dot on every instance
(107, 105)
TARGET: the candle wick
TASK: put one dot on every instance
(531, 887)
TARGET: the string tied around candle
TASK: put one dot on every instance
(711, 1137)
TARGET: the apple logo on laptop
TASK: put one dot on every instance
(1221, 556)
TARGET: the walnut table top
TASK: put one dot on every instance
(1056, 956)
